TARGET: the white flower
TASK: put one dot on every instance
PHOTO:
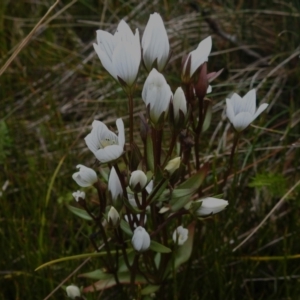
(173, 165)
(113, 216)
(85, 177)
(138, 180)
(241, 111)
(120, 54)
(157, 94)
(179, 103)
(141, 239)
(197, 58)
(180, 235)
(155, 43)
(73, 291)
(211, 206)
(105, 145)
(114, 184)
(79, 194)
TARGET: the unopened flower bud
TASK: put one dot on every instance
(79, 195)
(173, 165)
(179, 104)
(113, 217)
(180, 235)
(85, 177)
(138, 180)
(211, 206)
(73, 291)
(141, 239)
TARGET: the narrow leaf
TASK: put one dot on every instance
(157, 247)
(80, 213)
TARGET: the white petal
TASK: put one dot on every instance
(200, 55)
(123, 32)
(100, 136)
(236, 103)
(211, 206)
(125, 62)
(242, 120)
(121, 134)
(209, 89)
(114, 184)
(85, 176)
(229, 110)
(109, 153)
(155, 43)
(179, 102)
(260, 110)
(250, 102)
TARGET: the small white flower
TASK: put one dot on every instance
(85, 177)
(114, 184)
(138, 180)
(120, 54)
(105, 145)
(197, 57)
(179, 103)
(73, 291)
(211, 206)
(180, 235)
(241, 112)
(157, 94)
(113, 216)
(173, 165)
(155, 43)
(141, 239)
(78, 194)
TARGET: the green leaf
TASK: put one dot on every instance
(123, 277)
(97, 274)
(126, 228)
(157, 247)
(158, 190)
(80, 213)
(150, 289)
(195, 181)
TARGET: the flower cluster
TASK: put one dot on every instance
(150, 191)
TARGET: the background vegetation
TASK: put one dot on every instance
(56, 86)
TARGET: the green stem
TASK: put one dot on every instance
(130, 104)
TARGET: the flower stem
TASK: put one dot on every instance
(130, 104)
(234, 146)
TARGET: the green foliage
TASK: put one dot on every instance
(276, 184)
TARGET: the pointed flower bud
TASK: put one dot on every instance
(179, 103)
(211, 206)
(113, 217)
(155, 44)
(195, 59)
(241, 112)
(105, 145)
(138, 180)
(120, 54)
(157, 95)
(85, 177)
(141, 239)
(173, 165)
(73, 291)
(79, 195)
(180, 235)
(114, 184)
